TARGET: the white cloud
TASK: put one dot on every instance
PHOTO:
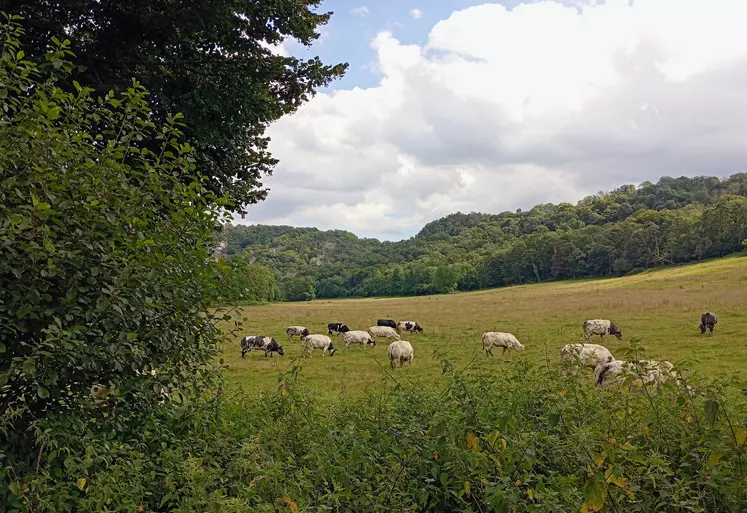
(360, 11)
(416, 14)
(503, 109)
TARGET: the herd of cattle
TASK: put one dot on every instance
(399, 351)
(607, 369)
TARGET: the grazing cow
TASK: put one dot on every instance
(296, 331)
(588, 355)
(399, 352)
(268, 344)
(337, 327)
(644, 372)
(387, 322)
(410, 326)
(322, 342)
(600, 327)
(708, 321)
(383, 331)
(507, 341)
(357, 337)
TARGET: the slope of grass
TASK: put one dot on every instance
(660, 310)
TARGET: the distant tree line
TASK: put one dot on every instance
(673, 221)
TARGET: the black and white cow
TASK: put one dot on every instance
(268, 344)
(411, 326)
(337, 327)
(387, 322)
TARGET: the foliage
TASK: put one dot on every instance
(105, 270)
(300, 288)
(241, 282)
(631, 228)
(210, 60)
(528, 439)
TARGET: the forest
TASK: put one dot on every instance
(626, 230)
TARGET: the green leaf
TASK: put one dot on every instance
(2, 348)
(29, 367)
(42, 392)
(740, 436)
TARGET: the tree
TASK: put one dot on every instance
(208, 59)
(300, 288)
(105, 266)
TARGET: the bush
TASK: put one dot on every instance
(106, 275)
(527, 439)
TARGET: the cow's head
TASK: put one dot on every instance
(344, 328)
(371, 342)
(417, 328)
(332, 350)
(279, 349)
(616, 332)
(305, 333)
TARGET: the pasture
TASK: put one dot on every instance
(659, 310)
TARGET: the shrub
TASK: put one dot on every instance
(105, 272)
(528, 439)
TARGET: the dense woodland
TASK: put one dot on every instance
(675, 220)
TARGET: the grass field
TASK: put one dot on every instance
(660, 310)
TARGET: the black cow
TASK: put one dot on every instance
(337, 327)
(387, 322)
(268, 344)
(708, 320)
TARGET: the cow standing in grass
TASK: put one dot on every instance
(600, 327)
(708, 321)
(506, 341)
(268, 344)
(411, 326)
(387, 322)
(296, 331)
(337, 328)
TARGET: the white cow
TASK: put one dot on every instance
(357, 337)
(600, 327)
(384, 332)
(507, 341)
(588, 355)
(644, 372)
(399, 352)
(323, 342)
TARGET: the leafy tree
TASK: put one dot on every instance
(209, 59)
(104, 264)
(300, 288)
(242, 282)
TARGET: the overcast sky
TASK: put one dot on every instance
(457, 105)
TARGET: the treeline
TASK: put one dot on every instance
(673, 221)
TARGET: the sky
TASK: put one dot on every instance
(459, 105)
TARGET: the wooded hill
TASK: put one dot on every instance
(675, 220)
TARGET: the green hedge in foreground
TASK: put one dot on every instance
(527, 439)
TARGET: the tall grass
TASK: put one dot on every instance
(529, 439)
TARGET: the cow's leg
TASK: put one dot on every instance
(504, 350)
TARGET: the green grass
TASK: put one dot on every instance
(660, 310)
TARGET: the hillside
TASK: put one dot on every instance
(675, 220)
